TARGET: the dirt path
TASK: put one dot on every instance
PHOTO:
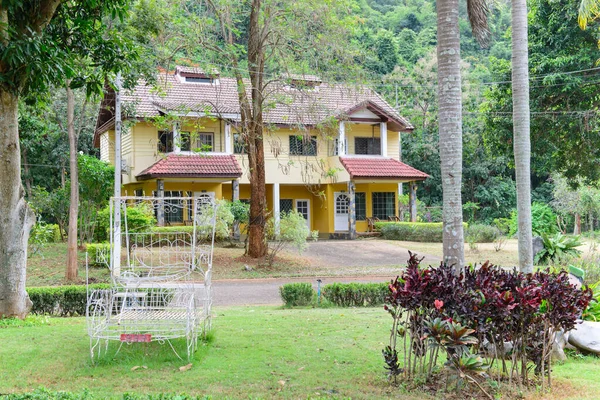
(254, 292)
(359, 253)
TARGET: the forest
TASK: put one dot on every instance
(391, 49)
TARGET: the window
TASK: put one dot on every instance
(334, 150)
(360, 204)
(165, 141)
(384, 204)
(302, 146)
(196, 79)
(196, 141)
(285, 206)
(365, 145)
(239, 147)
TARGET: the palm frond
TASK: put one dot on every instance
(588, 11)
(478, 11)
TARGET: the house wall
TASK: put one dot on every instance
(140, 150)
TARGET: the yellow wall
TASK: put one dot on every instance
(140, 143)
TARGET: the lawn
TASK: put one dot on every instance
(258, 352)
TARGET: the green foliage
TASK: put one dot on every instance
(480, 233)
(557, 247)
(240, 211)
(96, 182)
(356, 294)
(98, 254)
(412, 231)
(470, 208)
(137, 218)
(556, 44)
(51, 206)
(61, 301)
(296, 294)
(225, 219)
(41, 234)
(543, 220)
(592, 312)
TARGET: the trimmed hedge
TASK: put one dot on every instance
(61, 301)
(356, 294)
(296, 294)
(412, 231)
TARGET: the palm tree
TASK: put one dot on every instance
(589, 10)
(521, 138)
(450, 117)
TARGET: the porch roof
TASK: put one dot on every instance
(380, 168)
(193, 166)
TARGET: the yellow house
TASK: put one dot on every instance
(332, 151)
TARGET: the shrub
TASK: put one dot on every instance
(356, 294)
(140, 217)
(296, 294)
(61, 301)
(292, 230)
(480, 233)
(491, 304)
(557, 247)
(98, 254)
(543, 220)
(42, 234)
(412, 231)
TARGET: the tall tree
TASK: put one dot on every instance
(35, 53)
(450, 117)
(263, 40)
(522, 140)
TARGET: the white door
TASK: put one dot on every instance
(303, 207)
(340, 202)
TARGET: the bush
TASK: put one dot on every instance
(486, 305)
(356, 294)
(557, 247)
(61, 301)
(98, 254)
(140, 217)
(292, 230)
(296, 294)
(480, 233)
(412, 231)
(543, 220)
(42, 234)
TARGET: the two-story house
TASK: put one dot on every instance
(332, 151)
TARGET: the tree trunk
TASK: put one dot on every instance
(16, 218)
(71, 271)
(450, 129)
(522, 141)
(27, 174)
(257, 244)
(577, 227)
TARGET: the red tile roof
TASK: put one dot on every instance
(380, 168)
(193, 166)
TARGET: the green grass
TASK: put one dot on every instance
(260, 352)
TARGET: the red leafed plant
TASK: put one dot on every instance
(509, 318)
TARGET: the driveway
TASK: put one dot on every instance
(260, 292)
(360, 253)
(375, 260)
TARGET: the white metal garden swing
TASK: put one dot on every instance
(153, 296)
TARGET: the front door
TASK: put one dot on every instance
(303, 207)
(341, 202)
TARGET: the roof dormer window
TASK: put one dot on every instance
(198, 79)
(196, 75)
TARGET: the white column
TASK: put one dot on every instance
(176, 139)
(276, 209)
(342, 140)
(228, 143)
(383, 138)
(116, 249)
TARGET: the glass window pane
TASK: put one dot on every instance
(384, 204)
(360, 206)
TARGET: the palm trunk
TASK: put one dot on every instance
(577, 226)
(16, 218)
(71, 271)
(450, 129)
(522, 141)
